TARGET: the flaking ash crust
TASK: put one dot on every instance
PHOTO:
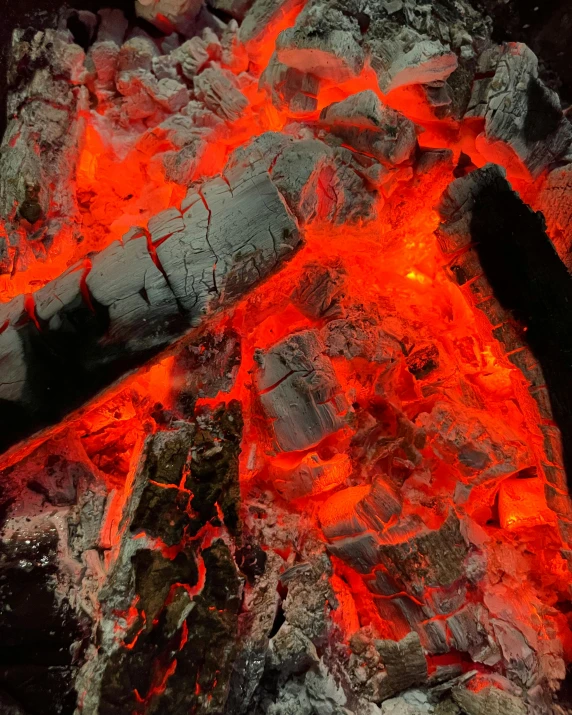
(301, 450)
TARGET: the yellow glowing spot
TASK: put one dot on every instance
(416, 276)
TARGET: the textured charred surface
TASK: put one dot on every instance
(176, 609)
(347, 485)
(90, 327)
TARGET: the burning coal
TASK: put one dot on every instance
(283, 430)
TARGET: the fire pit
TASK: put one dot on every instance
(285, 352)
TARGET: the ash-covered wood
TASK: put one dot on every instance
(490, 701)
(39, 148)
(319, 180)
(299, 392)
(311, 476)
(218, 90)
(324, 42)
(406, 44)
(101, 319)
(363, 123)
(404, 663)
(519, 111)
(170, 15)
(555, 202)
(393, 472)
(290, 87)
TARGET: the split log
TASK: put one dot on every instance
(167, 618)
(96, 322)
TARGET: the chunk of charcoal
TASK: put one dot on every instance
(299, 391)
(423, 361)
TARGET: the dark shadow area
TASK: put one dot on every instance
(545, 27)
(529, 279)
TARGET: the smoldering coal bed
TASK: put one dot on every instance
(285, 407)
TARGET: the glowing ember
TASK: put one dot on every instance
(353, 420)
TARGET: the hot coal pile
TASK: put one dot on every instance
(285, 353)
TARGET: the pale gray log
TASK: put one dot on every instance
(13, 369)
(165, 223)
(188, 260)
(208, 258)
(263, 232)
(125, 279)
(59, 293)
(302, 167)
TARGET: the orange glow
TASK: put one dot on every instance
(522, 504)
(393, 275)
(341, 506)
